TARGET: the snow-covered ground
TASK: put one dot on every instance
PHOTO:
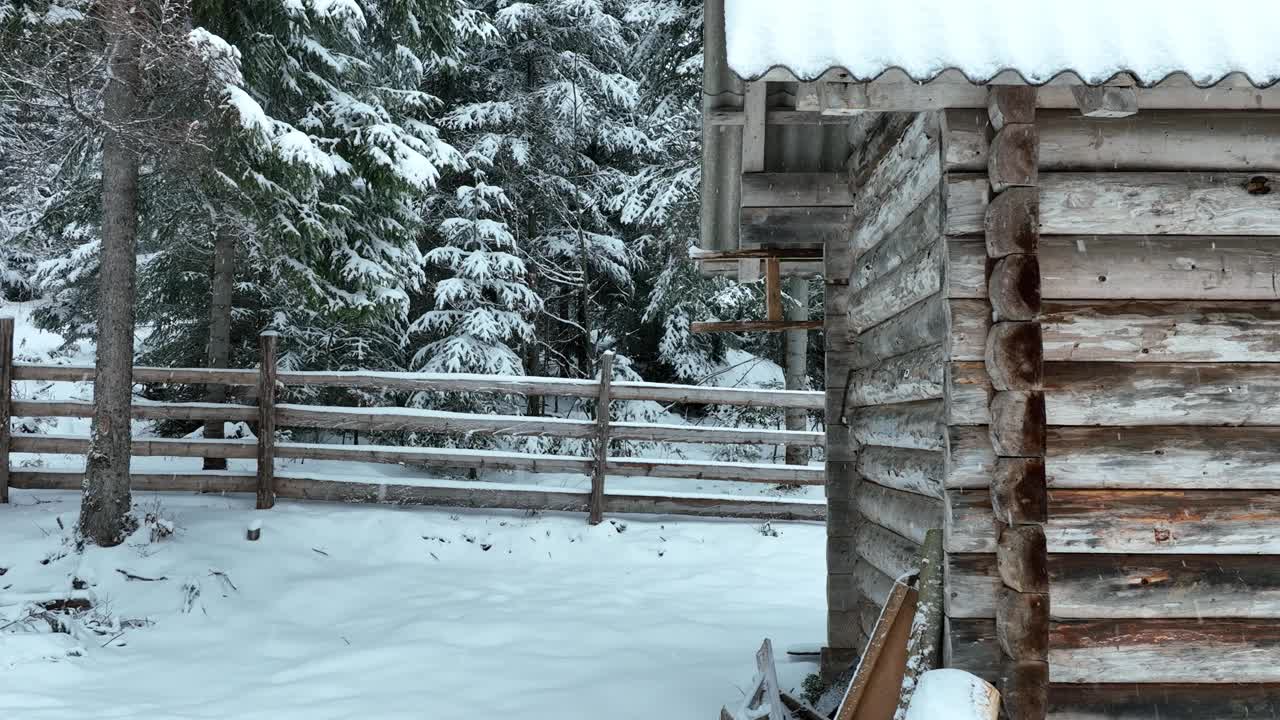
(354, 612)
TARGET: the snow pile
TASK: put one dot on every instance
(1094, 38)
(952, 695)
(346, 611)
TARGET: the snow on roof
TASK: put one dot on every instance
(1039, 39)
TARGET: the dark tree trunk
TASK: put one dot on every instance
(222, 285)
(104, 510)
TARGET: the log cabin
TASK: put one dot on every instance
(1050, 241)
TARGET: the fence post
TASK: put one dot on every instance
(6, 395)
(267, 420)
(602, 440)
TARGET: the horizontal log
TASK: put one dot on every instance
(480, 495)
(970, 325)
(86, 373)
(971, 527)
(1127, 203)
(916, 279)
(374, 419)
(969, 393)
(898, 183)
(1163, 586)
(970, 457)
(1164, 521)
(923, 227)
(874, 584)
(1161, 394)
(734, 472)
(795, 189)
(1139, 267)
(914, 471)
(973, 583)
(774, 117)
(1217, 458)
(970, 644)
(1128, 586)
(139, 447)
(1163, 701)
(782, 254)
(1214, 651)
(886, 550)
(917, 425)
(916, 375)
(746, 326)
(1207, 331)
(906, 514)
(915, 327)
(1181, 140)
(798, 228)
(730, 268)
(148, 411)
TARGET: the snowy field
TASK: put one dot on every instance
(346, 612)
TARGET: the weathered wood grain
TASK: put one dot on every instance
(1024, 689)
(970, 644)
(1163, 586)
(1216, 458)
(874, 584)
(918, 425)
(1182, 203)
(969, 394)
(917, 375)
(918, 230)
(916, 279)
(1139, 267)
(1170, 331)
(970, 525)
(1019, 493)
(1018, 423)
(1116, 651)
(1106, 102)
(970, 457)
(973, 581)
(970, 324)
(906, 514)
(1008, 104)
(967, 196)
(1022, 624)
(1014, 357)
(1013, 288)
(1021, 559)
(1012, 225)
(1191, 140)
(1161, 394)
(157, 411)
(900, 181)
(795, 189)
(794, 227)
(1012, 158)
(1164, 701)
(914, 471)
(886, 550)
(922, 324)
(1164, 521)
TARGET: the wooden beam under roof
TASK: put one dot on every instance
(754, 326)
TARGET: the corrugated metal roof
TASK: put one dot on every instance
(1094, 39)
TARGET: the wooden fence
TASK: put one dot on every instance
(269, 483)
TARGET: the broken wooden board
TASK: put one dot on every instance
(873, 694)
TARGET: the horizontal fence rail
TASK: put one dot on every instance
(269, 482)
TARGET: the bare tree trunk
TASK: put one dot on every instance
(797, 343)
(104, 510)
(222, 286)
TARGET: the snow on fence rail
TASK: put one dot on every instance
(269, 484)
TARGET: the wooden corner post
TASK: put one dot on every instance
(596, 508)
(6, 398)
(267, 343)
(1015, 363)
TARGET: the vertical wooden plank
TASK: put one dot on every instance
(6, 395)
(267, 343)
(773, 289)
(755, 114)
(596, 509)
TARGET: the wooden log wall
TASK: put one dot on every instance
(886, 375)
(1159, 243)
